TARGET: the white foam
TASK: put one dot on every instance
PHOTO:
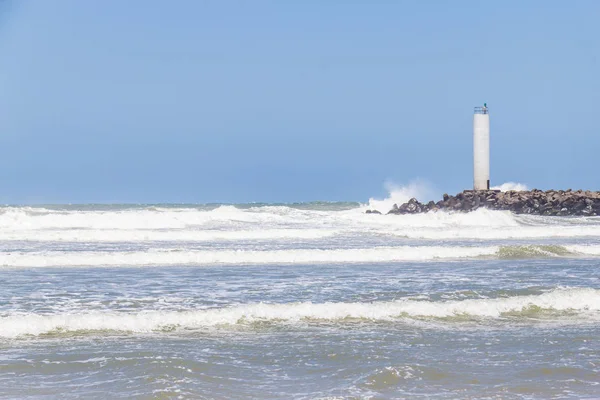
(140, 235)
(479, 224)
(192, 257)
(277, 222)
(26, 218)
(581, 301)
(483, 233)
(587, 250)
(481, 218)
(173, 257)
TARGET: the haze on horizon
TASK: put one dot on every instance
(155, 101)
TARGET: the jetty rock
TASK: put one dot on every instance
(534, 202)
(372, 212)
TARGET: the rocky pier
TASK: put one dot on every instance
(534, 202)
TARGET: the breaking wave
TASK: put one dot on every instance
(576, 302)
(309, 221)
(140, 235)
(533, 251)
(241, 257)
(174, 257)
(228, 223)
(28, 218)
(482, 224)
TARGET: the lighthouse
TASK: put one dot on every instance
(481, 148)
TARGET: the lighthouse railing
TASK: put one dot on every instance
(481, 110)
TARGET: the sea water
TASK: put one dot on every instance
(303, 301)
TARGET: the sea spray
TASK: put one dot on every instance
(505, 187)
(398, 194)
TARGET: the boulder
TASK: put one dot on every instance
(535, 201)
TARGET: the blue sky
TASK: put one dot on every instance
(237, 101)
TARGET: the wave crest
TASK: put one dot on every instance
(182, 256)
(533, 251)
(583, 302)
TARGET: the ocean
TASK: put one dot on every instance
(296, 301)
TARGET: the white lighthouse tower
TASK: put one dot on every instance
(481, 148)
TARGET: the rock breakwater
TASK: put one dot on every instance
(534, 202)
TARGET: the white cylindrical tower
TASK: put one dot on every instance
(481, 148)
